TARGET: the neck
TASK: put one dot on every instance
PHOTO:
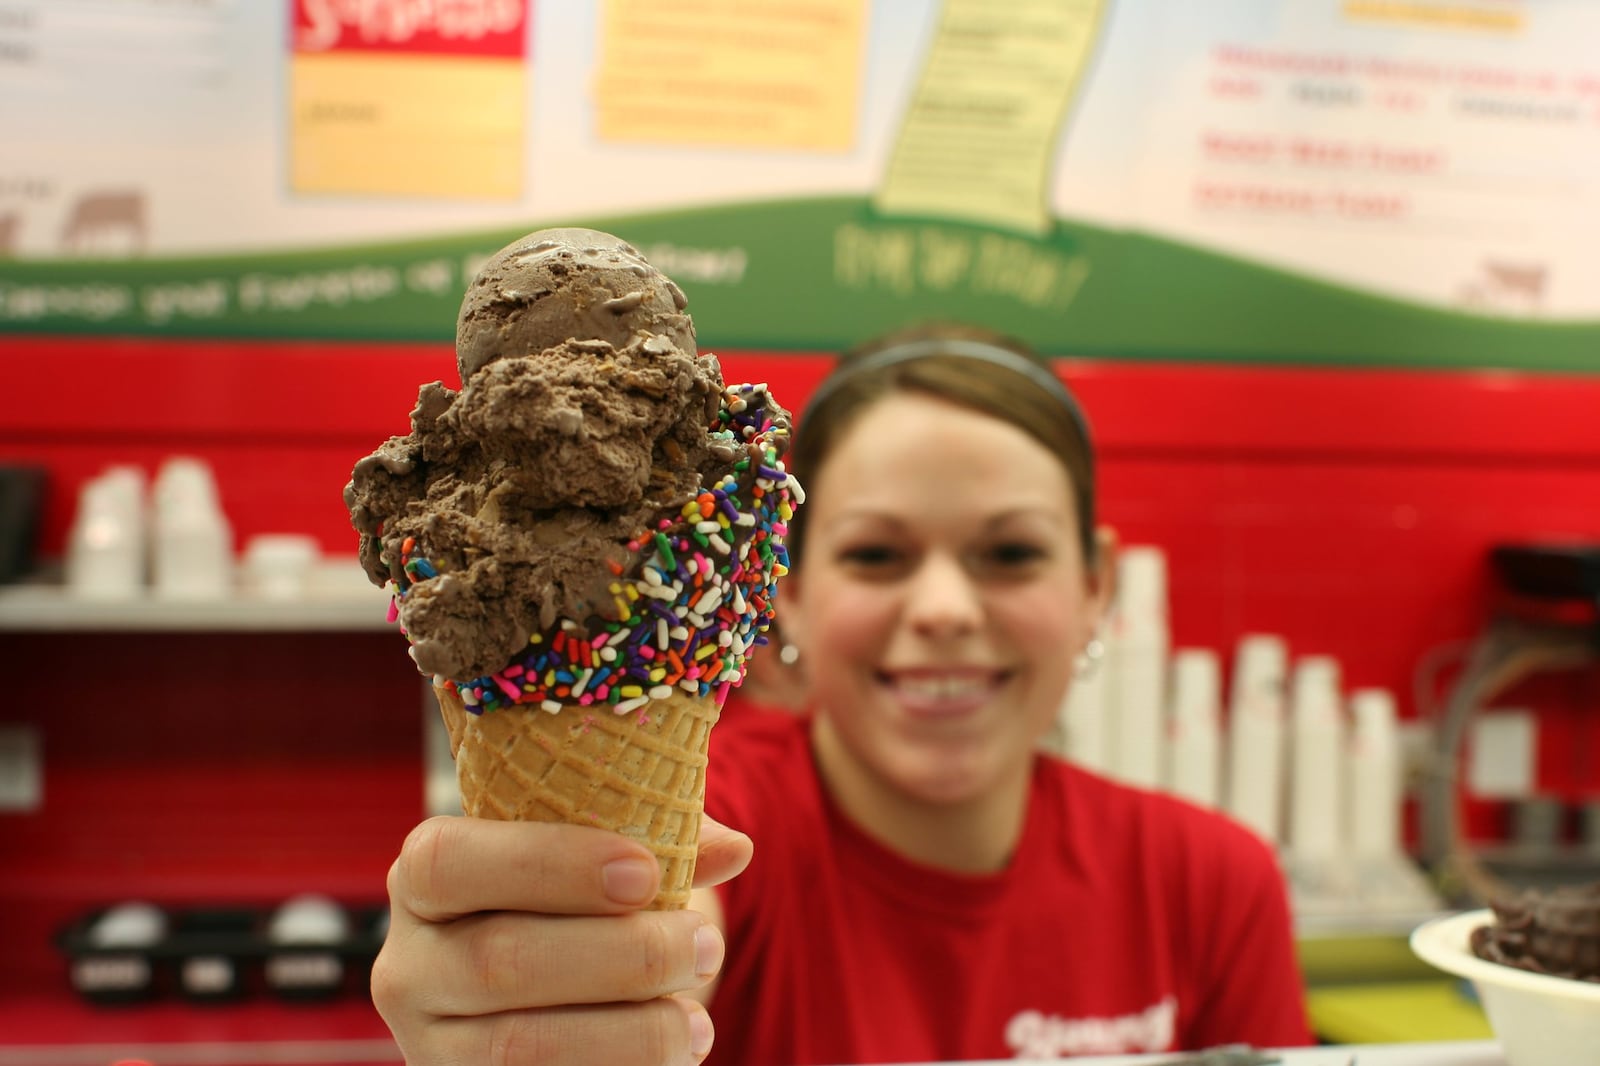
(974, 835)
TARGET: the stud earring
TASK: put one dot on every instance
(788, 654)
(1087, 664)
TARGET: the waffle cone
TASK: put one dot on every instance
(641, 774)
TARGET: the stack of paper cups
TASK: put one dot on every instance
(1374, 793)
(193, 542)
(1194, 754)
(106, 545)
(278, 566)
(1256, 708)
(1138, 658)
(1316, 775)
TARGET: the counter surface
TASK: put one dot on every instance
(344, 1053)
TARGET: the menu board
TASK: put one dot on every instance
(729, 72)
(428, 102)
(1375, 182)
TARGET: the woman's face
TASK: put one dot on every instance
(943, 597)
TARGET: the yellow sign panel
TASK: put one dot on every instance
(743, 73)
(980, 135)
(407, 125)
(1441, 16)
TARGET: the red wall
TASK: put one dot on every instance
(1349, 510)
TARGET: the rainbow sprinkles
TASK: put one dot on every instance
(699, 604)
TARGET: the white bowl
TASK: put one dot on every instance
(1539, 1020)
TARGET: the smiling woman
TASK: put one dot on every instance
(925, 880)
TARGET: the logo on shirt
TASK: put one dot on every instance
(1032, 1034)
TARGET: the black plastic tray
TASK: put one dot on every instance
(219, 954)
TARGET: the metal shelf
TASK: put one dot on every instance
(338, 598)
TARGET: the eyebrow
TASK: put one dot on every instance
(1050, 515)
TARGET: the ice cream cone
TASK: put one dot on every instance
(641, 774)
(593, 523)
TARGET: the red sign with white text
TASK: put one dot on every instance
(415, 27)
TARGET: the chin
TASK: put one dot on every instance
(945, 785)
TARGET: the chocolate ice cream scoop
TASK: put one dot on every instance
(1555, 932)
(566, 284)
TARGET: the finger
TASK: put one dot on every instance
(504, 961)
(449, 867)
(724, 853)
(663, 1032)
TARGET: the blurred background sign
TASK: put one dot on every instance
(1361, 183)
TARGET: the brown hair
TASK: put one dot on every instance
(971, 367)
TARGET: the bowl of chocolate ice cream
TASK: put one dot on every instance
(1534, 960)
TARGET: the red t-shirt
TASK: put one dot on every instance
(1128, 922)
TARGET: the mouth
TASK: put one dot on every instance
(937, 693)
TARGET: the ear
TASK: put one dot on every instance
(790, 615)
(1100, 575)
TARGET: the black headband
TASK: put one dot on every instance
(993, 354)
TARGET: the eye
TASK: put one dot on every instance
(1015, 554)
(871, 556)
(874, 560)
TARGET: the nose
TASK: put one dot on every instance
(942, 598)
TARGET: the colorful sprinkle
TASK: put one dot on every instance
(699, 601)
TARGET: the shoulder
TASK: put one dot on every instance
(757, 737)
(756, 758)
(1209, 897)
(760, 781)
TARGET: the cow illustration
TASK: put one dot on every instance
(1506, 286)
(106, 221)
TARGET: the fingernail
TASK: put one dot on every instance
(701, 1034)
(628, 881)
(707, 951)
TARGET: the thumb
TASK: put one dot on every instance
(724, 853)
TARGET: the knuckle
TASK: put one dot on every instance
(405, 994)
(655, 953)
(662, 1034)
(500, 961)
(393, 880)
(388, 989)
(521, 1039)
(414, 877)
(641, 1034)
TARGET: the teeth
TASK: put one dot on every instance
(942, 688)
